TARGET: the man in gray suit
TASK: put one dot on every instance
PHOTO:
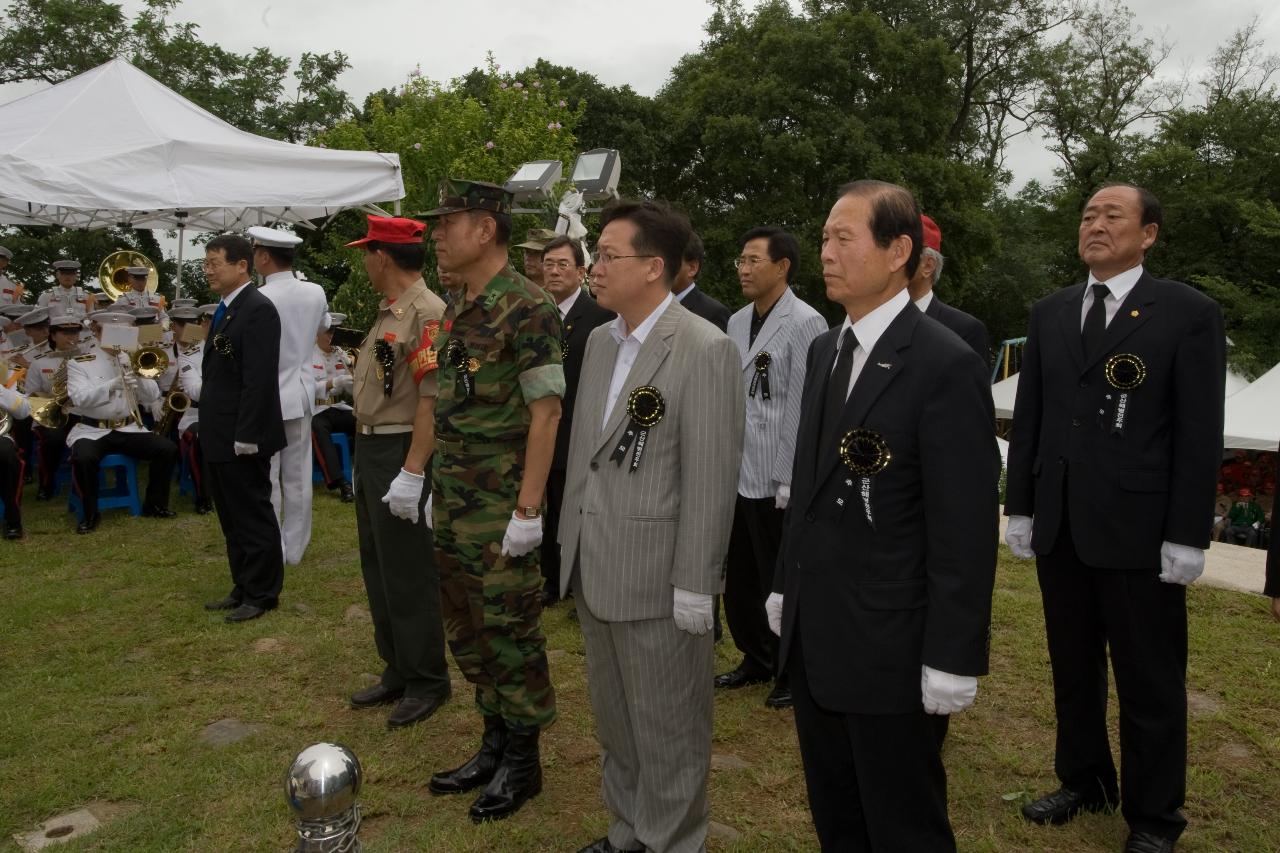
(653, 464)
(772, 333)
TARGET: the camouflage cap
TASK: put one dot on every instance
(537, 239)
(457, 195)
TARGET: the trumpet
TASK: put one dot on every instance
(149, 362)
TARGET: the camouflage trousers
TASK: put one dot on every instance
(491, 604)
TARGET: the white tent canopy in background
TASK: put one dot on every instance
(1005, 392)
(113, 147)
(1253, 414)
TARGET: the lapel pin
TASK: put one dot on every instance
(886, 365)
(1133, 313)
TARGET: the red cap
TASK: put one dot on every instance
(392, 229)
(1246, 492)
(932, 233)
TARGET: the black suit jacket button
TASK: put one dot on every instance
(1084, 383)
(810, 517)
(595, 466)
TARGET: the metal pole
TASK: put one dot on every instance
(177, 285)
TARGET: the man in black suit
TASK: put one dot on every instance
(686, 289)
(882, 594)
(1117, 436)
(1272, 587)
(241, 427)
(967, 326)
(564, 268)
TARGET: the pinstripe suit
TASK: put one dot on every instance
(631, 537)
(768, 450)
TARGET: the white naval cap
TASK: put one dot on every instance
(66, 265)
(273, 237)
(6, 253)
(33, 318)
(63, 321)
(112, 318)
(335, 319)
(139, 272)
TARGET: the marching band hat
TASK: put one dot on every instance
(335, 319)
(38, 317)
(391, 229)
(185, 314)
(67, 264)
(112, 318)
(138, 272)
(208, 309)
(273, 237)
(144, 316)
(64, 322)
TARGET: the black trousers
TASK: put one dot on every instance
(397, 559)
(323, 426)
(1143, 621)
(241, 492)
(49, 446)
(87, 453)
(550, 548)
(753, 551)
(11, 466)
(875, 781)
(194, 454)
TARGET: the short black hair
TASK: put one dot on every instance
(694, 250)
(502, 225)
(894, 212)
(660, 231)
(781, 245)
(1152, 212)
(564, 240)
(235, 247)
(280, 256)
(409, 257)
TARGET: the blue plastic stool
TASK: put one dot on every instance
(343, 445)
(124, 493)
(186, 482)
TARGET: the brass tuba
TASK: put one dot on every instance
(113, 272)
(149, 362)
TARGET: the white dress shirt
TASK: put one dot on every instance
(566, 306)
(868, 330)
(226, 300)
(922, 303)
(1119, 286)
(628, 349)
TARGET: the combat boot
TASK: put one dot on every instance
(519, 778)
(480, 769)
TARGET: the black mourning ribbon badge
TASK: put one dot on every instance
(865, 453)
(222, 344)
(645, 407)
(1124, 372)
(761, 379)
(564, 341)
(384, 358)
(455, 352)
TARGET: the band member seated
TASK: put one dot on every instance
(189, 381)
(14, 406)
(105, 393)
(51, 442)
(333, 377)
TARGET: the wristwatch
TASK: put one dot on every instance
(530, 511)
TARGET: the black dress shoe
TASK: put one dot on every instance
(1145, 842)
(412, 710)
(1063, 805)
(13, 530)
(228, 603)
(244, 613)
(480, 768)
(158, 512)
(90, 524)
(604, 845)
(779, 697)
(203, 507)
(735, 678)
(517, 780)
(346, 493)
(372, 697)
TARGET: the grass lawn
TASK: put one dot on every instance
(111, 670)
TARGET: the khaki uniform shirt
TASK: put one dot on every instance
(410, 325)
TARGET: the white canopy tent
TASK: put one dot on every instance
(1253, 414)
(113, 147)
(1005, 392)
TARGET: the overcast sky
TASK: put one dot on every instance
(620, 41)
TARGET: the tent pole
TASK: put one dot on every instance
(177, 287)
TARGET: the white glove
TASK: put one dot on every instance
(131, 382)
(692, 611)
(244, 448)
(1180, 563)
(783, 496)
(403, 496)
(773, 609)
(944, 693)
(1217, 519)
(1018, 536)
(522, 536)
(431, 525)
(342, 383)
(1257, 525)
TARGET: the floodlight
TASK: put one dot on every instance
(596, 173)
(534, 180)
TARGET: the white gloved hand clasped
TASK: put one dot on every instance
(773, 609)
(1018, 536)
(404, 495)
(783, 496)
(1180, 564)
(692, 611)
(342, 383)
(522, 536)
(245, 448)
(944, 693)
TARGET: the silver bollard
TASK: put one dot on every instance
(321, 787)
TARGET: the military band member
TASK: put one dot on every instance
(10, 290)
(334, 381)
(64, 343)
(189, 356)
(68, 296)
(501, 383)
(104, 394)
(395, 396)
(13, 337)
(137, 296)
(15, 406)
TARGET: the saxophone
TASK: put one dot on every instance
(176, 401)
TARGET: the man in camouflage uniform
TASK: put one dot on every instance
(500, 382)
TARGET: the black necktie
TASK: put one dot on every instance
(1095, 322)
(838, 387)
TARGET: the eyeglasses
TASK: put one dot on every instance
(213, 266)
(603, 259)
(749, 261)
(563, 266)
